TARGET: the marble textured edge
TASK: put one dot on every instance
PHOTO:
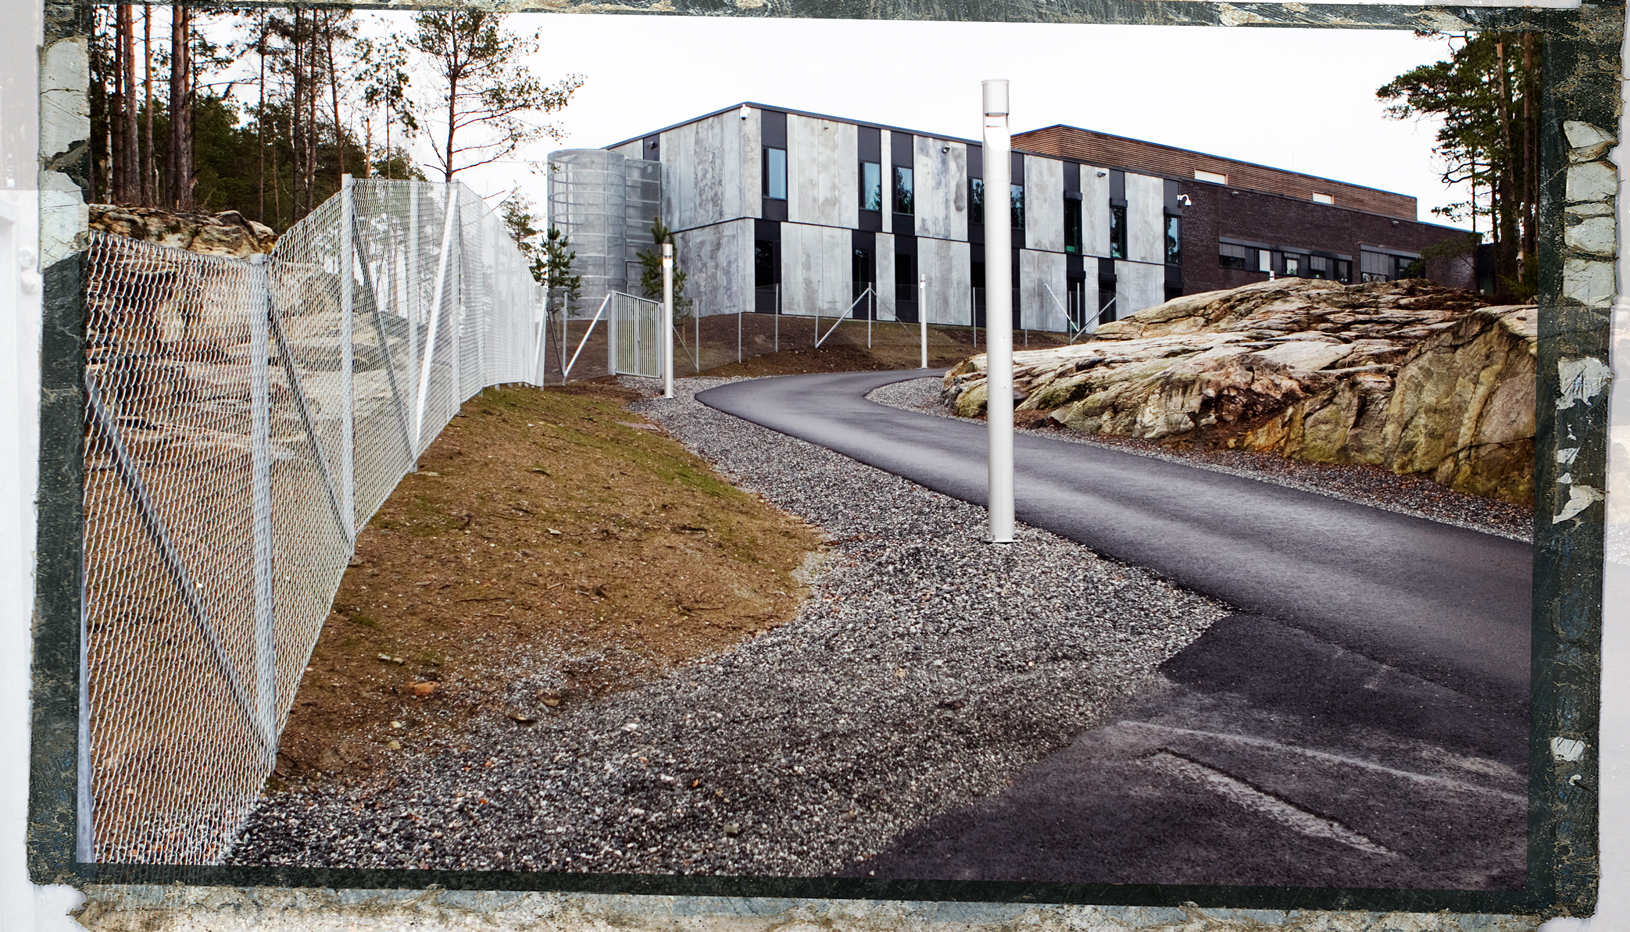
(1582, 86)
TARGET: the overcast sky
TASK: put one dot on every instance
(1301, 99)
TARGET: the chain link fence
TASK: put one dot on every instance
(244, 419)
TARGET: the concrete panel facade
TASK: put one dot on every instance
(1139, 285)
(1145, 218)
(823, 183)
(885, 270)
(1042, 296)
(718, 264)
(947, 265)
(815, 270)
(750, 162)
(702, 179)
(940, 173)
(888, 176)
(1095, 211)
(1044, 204)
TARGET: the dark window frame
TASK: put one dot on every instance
(768, 174)
(1174, 239)
(1073, 239)
(1117, 231)
(903, 198)
(876, 188)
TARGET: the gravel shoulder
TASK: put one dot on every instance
(1366, 485)
(927, 669)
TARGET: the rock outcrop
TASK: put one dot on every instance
(227, 233)
(1408, 376)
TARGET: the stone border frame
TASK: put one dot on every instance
(1579, 239)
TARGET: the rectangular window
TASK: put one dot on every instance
(903, 197)
(1293, 266)
(1322, 198)
(766, 263)
(775, 174)
(1236, 257)
(1318, 267)
(905, 277)
(1264, 260)
(1117, 231)
(1016, 194)
(1212, 177)
(871, 186)
(1342, 270)
(1376, 266)
(1174, 240)
(1072, 225)
(976, 200)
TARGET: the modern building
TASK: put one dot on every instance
(781, 211)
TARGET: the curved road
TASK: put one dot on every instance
(1444, 603)
(1360, 721)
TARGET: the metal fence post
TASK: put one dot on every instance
(260, 485)
(999, 317)
(738, 336)
(411, 310)
(347, 261)
(667, 344)
(776, 314)
(432, 326)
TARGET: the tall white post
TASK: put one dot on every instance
(922, 315)
(668, 320)
(998, 310)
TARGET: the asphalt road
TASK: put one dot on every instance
(1361, 721)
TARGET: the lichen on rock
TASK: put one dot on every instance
(1408, 376)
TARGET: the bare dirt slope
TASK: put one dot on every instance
(552, 547)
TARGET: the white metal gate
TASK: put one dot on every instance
(636, 335)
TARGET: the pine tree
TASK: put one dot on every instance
(651, 270)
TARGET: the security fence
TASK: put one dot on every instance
(244, 419)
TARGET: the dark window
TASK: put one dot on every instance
(1294, 266)
(1236, 257)
(1072, 225)
(1117, 231)
(976, 200)
(1318, 267)
(766, 263)
(1409, 267)
(1377, 267)
(1174, 240)
(1342, 270)
(905, 277)
(871, 186)
(1016, 195)
(903, 198)
(775, 174)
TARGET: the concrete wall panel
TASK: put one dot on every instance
(1140, 285)
(815, 270)
(885, 266)
(718, 264)
(946, 263)
(1095, 211)
(702, 177)
(940, 175)
(750, 163)
(1044, 204)
(823, 184)
(1042, 285)
(888, 186)
(1145, 218)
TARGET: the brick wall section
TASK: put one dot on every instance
(1106, 151)
(1279, 221)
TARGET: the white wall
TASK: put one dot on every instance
(885, 273)
(1139, 285)
(1094, 213)
(1044, 204)
(816, 268)
(940, 174)
(718, 265)
(823, 174)
(1145, 219)
(947, 264)
(703, 172)
(1039, 271)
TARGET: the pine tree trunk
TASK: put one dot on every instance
(181, 160)
(149, 160)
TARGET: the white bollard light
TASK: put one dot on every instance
(668, 319)
(999, 310)
(922, 314)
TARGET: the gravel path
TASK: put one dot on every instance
(1367, 485)
(927, 669)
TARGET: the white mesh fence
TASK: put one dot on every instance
(244, 418)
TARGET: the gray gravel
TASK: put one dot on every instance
(1366, 485)
(927, 669)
